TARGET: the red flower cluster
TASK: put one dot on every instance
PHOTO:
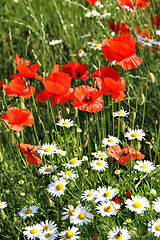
(92, 1)
(119, 27)
(133, 4)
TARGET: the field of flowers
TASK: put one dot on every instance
(79, 119)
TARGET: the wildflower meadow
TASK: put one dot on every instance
(80, 119)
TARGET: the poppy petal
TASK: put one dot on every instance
(33, 159)
(43, 96)
(130, 62)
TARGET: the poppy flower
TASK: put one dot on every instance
(122, 49)
(16, 118)
(92, 1)
(27, 72)
(58, 87)
(144, 33)
(128, 195)
(17, 87)
(87, 99)
(156, 21)
(118, 27)
(76, 70)
(124, 155)
(109, 79)
(21, 60)
(1, 83)
(29, 150)
(133, 3)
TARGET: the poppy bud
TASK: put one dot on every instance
(142, 99)
(151, 77)
(2, 214)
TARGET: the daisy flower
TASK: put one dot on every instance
(49, 234)
(70, 233)
(3, 205)
(144, 166)
(65, 123)
(87, 35)
(55, 42)
(81, 53)
(81, 216)
(57, 187)
(105, 194)
(128, 8)
(61, 152)
(47, 169)
(121, 113)
(99, 4)
(137, 204)
(119, 233)
(89, 195)
(33, 231)
(110, 141)
(154, 227)
(28, 212)
(105, 14)
(156, 205)
(68, 212)
(158, 32)
(146, 41)
(99, 165)
(108, 208)
(71, 175)
(92, 13)
(137, 133)
(47, 149)
(100, 155)
(95, 46)
(73, 163)
(48, 225)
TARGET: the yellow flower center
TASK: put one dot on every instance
(69, 234)
(121, 113)
(73, 161)
(104, 12)
(135, 134)
(60, 186)
(48, 235)
(118, 236)
(33, 231)
(144, 166)
(47, 149)
(137, 205)
(80, 50)
(70, 212)
(108, 209)
(0, 204)
(68, 173)
(48, 169)
(45, 228)
(90, 195)
(81, 216)
(99, 163)
(157, 227)
(96, 45)
(101, 155)
(111, 140)
(65, 123)
(107, 194)
(28, 211)
(147, 40)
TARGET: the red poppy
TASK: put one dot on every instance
(124, 155)
(76, 70)
(28, 149)
(128, 195)
(144, 33)
(17, 87)
(118, 27)
(1, 83)
(92, 1)
(109, 79)
(95, 238)
(27, 72)
(57, 86)
(16, 118)
(116, 200)
(156, 21)
(21, 60)
(133, 3)
(87, 99)
(122, 49)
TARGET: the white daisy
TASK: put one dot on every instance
(73, 163)
(105, 14)
(81, 53)
(99, 4)
(105, 194)
(28, 212)
(49, 234)
(33, 231)
(137, 133)
(89, 195)
(92, 13)
(99, 165)
(137, 204)
(101, 155)
(81, 216)
(144, 166)
(48, 225)
(47, 169)
(68, 212)
(70, 233)
(3, 205)
(119, 233)
(156, 205)
(108, 208)
(87, 35)
(55, 42)
(110, 141)
(57, 187)
(61, 152)
(128, 8)
(65, 123)
(158, 32)
(121, 113)
(146, 41)
(154, 227)
(71, 175)
(47, 149)
(95, 46)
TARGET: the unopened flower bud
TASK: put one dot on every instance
(85, 158)
(117, 172)
(78, 202)
(22, 194)
(2, 214)
(142, 99)
(86, 171)
(79, 130)
(21, 182)
(153, 192)
(151, 77)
